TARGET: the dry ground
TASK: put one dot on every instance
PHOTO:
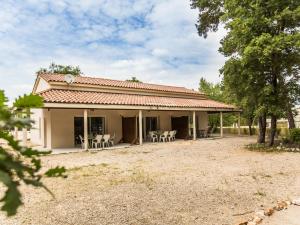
(205, 182)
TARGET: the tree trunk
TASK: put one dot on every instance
(273, 130)
(250, 130)
(290, 118)
(250, 121)
(262, 123)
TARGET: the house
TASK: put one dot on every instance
(129, 110)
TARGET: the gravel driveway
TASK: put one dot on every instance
(207, 182)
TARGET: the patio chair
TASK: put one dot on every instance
(112, 140)
(81, 141)
(208, 132)
(106, 139)
(171, 136)
(164, 136)
(153, 136)
(97, 141)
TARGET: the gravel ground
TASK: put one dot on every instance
(207, 182)
(291, 216)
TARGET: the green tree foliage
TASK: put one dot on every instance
(61, 69)
(134, 79)
(216, 92)
(263, 50)
(19, 164)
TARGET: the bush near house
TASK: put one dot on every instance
(295, 135)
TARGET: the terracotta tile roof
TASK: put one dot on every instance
(92, 97)
(118, 83)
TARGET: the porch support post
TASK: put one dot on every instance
(24, 139)
(16, 133)
(221, 124)
(141, 127)
(85, 129)
(239, 124)
(194, 126)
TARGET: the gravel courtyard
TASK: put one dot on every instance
(206, 182)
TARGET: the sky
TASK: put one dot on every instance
(153, 40)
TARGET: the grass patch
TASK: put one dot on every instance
(260, 193)
(139, 176)
(262, 148)
(277, 148)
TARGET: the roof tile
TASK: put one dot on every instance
(92, 97)
(118, 83)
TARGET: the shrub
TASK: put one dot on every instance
(295, 135)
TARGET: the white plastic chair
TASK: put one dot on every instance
(97, 141)
(171, 136)
(81, 141)
(153, 136)
(112, 140)
(106, 139)
(164, 136)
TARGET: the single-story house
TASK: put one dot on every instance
(81, 105)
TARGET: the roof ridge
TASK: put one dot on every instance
(188, 90)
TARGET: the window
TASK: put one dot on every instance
(151, 124)
(96, 125)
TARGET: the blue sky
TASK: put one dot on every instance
(154, 40)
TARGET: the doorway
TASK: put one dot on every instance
(181, 125)
(129, 129)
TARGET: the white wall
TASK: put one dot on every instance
(36, 130)
(42, 85)
(202, 120)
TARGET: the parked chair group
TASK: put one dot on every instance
(99, 141)
(162, 137)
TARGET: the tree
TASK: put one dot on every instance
(134, 79)
(263, 41)
(61, 69)
(216, 92)
(19, 164)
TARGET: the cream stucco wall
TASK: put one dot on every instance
(57, 125)
(36, 130)
(42, 85)
(202, 120)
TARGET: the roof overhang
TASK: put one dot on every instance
(133, 107)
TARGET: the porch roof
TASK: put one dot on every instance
(76, 97)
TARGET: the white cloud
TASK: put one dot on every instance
(154, 40)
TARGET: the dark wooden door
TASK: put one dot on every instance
(129, 129)
(181, 124)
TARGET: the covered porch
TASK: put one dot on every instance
(61, 125)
